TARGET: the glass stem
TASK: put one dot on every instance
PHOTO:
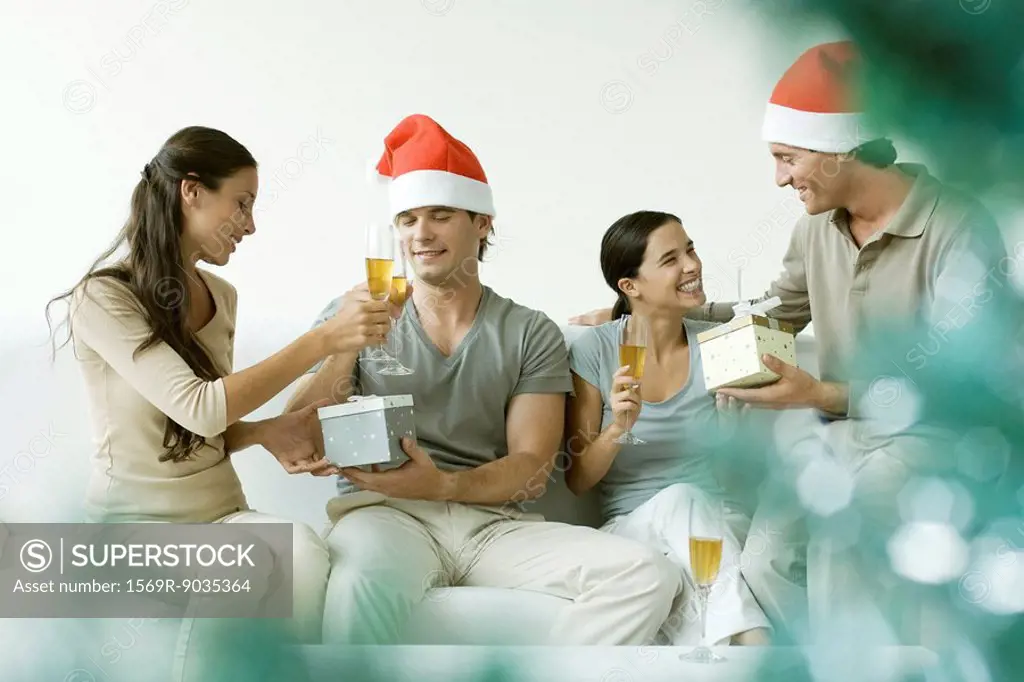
(703, 589)
(392, 345)
(629, 423)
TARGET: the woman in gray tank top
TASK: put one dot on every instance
(646, 487)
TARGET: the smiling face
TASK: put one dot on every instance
(216, 221)
(820, 179)
(669, 278)
(441, 243)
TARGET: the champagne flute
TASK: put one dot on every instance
(399, 293)
(380, 261)
(707, 518)
(632, 352)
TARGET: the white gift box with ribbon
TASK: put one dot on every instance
(731, 353)
(367, 430)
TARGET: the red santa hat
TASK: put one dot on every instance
(815, 104)
(425, 166)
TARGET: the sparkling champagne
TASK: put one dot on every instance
(705, 557)
(633, 356)
(378, 277)
(399, 290)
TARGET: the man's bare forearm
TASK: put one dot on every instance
(713, 311)
(333, 381)
(515, 477)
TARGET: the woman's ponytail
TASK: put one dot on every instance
(620, 308)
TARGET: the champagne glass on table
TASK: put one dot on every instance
(399, 293)
(380, 261)
(632, 352)
(707, 518)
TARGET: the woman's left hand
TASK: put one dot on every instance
(296, 440)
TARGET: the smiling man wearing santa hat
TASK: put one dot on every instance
(881, 243)
(489, 382)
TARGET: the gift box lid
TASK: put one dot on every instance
(740, 323)
(358, 404)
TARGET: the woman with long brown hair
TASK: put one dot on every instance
(154, 337)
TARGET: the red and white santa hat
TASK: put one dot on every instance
(425, 166)
(815, 105)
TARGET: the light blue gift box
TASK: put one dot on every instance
(367, 430)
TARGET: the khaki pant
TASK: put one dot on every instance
(808, 580)
(386, 554)
(774, 564)
(852, 580)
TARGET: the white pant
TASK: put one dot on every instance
(663, 523)
(386, 555)
(310, 567)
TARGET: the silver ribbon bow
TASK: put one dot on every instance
(761, 309)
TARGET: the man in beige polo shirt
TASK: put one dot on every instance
(882, 246)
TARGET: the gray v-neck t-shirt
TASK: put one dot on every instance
(460, 401)
(681, 431)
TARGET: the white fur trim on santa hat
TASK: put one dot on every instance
(417, 189)
(834, 133)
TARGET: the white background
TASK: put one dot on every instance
(580, 110)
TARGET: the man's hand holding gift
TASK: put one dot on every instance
(417, 479)
(794, 389)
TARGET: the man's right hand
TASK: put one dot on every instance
(360, 322)
(593, 318)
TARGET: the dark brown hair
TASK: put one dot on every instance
(878, 153)
(153, 268)
(486, 241)
(623, 247)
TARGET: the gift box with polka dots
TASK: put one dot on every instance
(367, 430)
(731, 353)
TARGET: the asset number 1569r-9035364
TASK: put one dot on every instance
(197, 585)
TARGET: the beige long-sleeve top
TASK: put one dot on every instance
(130, 399)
